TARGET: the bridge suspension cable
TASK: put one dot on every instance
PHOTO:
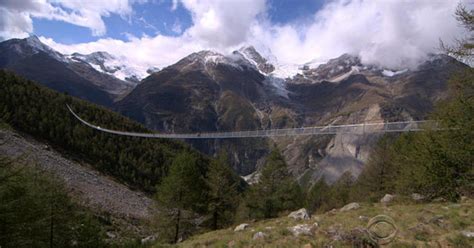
(360, 128)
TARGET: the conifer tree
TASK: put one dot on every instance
(341, 191)
(276, 190)
(317, 195)
(35, 211)
(180, 194)
(222, 196)
(376, 179)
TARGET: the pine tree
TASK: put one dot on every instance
(180, 194)
(377, 176)
(276, 190)
(341, 191)
(317, 195)
(222, 196)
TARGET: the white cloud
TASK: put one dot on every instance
(14, 25)
(141, 53)
(16, 21)
(222, 24)
(392, 33)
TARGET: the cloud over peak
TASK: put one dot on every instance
(392, 33)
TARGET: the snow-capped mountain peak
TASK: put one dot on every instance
(37, 46)
(107, 63)
(255, 58)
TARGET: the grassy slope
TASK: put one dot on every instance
(430, 232)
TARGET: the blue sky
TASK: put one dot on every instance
(158, 17)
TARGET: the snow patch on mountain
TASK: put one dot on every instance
(109, 64)
(286, 70)
(337, 79)
(37, 46)
(389, 73)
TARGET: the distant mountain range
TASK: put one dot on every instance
(97, 77)
(209, 91)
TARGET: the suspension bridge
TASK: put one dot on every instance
(360, 128)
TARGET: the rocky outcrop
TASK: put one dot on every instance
(387, 199)
(303, 229)
(417, 197)
(259, 235)
(301, 214)
(241, 227)
(350, 206)
(467, 234)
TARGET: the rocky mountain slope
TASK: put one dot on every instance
(205, 91)
(208, 91)
(127, 210)
(77, 75)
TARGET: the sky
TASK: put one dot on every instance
(395, 34)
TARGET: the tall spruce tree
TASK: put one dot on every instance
(377, 176)
(181, 195)
(223, 195)
(276, 190)
(317, 195)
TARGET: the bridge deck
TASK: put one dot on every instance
(360, 128)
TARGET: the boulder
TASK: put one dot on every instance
(111, 235)
(335, 232)
(241, 227)
(467, 234)
(301, 214)
(387, 199)
(350, 206)
(417, 197)
(148, 239)
(363, 218)
(259, 235)
(303, 229)
(332, 212)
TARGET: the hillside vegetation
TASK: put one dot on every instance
(35, 211)
(418, 224)
(42, 113)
